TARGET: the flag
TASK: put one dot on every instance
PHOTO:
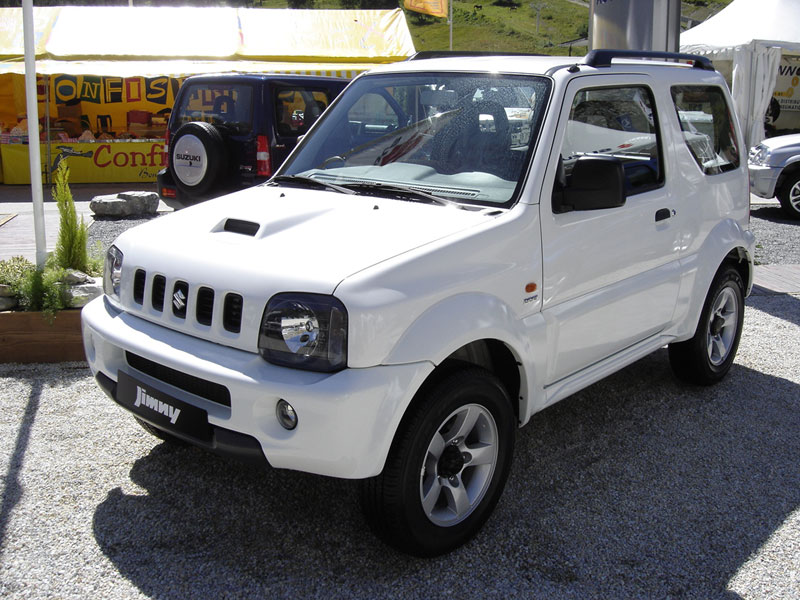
(437, 8)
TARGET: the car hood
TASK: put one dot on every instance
(782, 141)
(269, 239)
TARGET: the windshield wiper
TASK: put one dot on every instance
(304, 181)
(398, 191)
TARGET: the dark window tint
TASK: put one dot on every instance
(296, 108)
(228, 106)
(708, 127)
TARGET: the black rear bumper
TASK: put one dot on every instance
(218, 440)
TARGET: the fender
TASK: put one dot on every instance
(700, 268)
(460, 320)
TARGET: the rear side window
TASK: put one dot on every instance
(224, 105)
(618, 122)
(708, 128)
(296, 108)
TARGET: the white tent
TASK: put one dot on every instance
(746, 40)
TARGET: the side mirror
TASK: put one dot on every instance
(596, 182)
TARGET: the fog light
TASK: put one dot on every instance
(286, 415)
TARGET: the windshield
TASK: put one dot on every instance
(463, 137)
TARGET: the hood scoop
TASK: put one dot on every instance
(241, 227)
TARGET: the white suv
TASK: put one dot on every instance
(455, 245)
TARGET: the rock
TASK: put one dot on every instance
(125, 204)
(145, 202)
(6, 291)
(75, 277)
(7, 303)
(81, 295)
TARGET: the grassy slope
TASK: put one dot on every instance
(498, 28)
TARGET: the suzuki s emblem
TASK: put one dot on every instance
(178, 300)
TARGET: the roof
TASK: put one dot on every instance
(211, 33)
(542, 65)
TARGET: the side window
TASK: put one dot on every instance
(619, 123)
(707, 126)
(297, 108)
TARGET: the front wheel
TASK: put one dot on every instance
(447, 466)
(708, 356)
(789, 196)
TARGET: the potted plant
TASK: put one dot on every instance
(36, 324)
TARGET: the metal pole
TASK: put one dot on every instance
(450, 2)
(34, 154)
(47, 154)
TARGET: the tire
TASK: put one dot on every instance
(708, 356)
(197, 158)
(447, 466)
(162, 435)
(789, 196)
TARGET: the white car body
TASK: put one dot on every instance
(567, 299)
(768, 161)
(774, 166)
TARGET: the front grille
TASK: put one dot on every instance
(180, 296)
(232, 313)
(209, 390)
(138, 286)
(159, 285)
(205, 305)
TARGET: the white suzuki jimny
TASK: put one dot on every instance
(455, 245)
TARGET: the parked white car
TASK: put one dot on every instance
(424, 274)
(775, 171)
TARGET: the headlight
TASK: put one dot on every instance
(759, 155)
(305, 331)
(112, 272)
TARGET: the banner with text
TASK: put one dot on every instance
(101, 162)
(138, 106)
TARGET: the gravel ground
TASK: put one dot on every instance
(777, 238)
(637, 487)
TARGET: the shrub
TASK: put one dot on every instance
(14, 271)
(70, 252)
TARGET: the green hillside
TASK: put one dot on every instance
(536, 26)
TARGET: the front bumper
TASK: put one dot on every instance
(346, 420)
(763, 180)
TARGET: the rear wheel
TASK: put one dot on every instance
(708, 356)
(447, 466)
(789, 196)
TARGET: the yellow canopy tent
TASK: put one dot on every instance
(99, 65)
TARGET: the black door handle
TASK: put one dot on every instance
(662, 214)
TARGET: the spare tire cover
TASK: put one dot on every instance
(197, 156)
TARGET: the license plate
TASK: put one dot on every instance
(161, 409)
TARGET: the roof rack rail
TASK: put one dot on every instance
(602, 58)
(425, 54)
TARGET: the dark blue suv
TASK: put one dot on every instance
(231, 131)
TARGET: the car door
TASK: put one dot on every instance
(611, 275)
